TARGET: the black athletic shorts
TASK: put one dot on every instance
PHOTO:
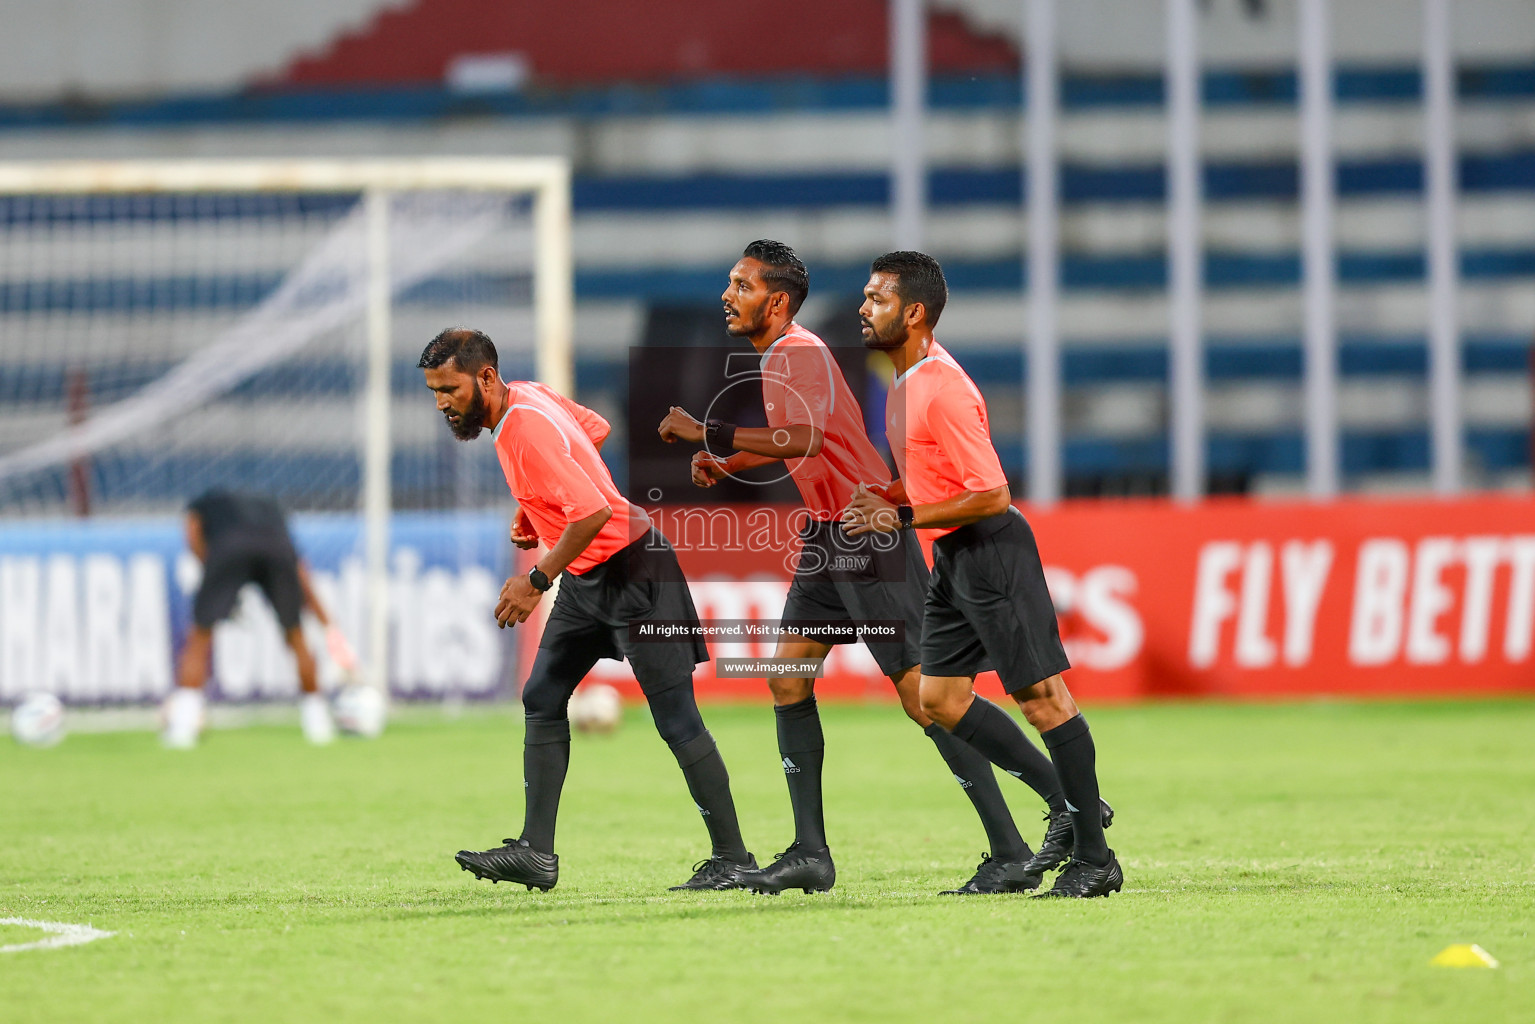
(268, 561)
(861, 579)
(988, 606)
(595, 609)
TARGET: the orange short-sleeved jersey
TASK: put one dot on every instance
(547, 445)
(938, 431)
(802, 385)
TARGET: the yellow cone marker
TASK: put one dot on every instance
(1464, 955)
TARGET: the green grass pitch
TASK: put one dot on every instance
(1294, 862)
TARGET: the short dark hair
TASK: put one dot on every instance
(918, 278)
(470, 350)
(783, 270)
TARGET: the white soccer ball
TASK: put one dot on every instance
(596, 707)
(38, 721)
(361, 711)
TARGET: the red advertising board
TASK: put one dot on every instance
(1230, 598)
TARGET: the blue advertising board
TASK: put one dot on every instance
(94, 610)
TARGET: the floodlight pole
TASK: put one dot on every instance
(908, 97)
(553, 282)
(1440, 182)
(1042, 353)
(1185, 252)
(1319, 285)
(377, 446)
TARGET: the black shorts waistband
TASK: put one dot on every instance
(654, 540)
(269, 544)
(814, 527)
(650, 557)
(980, 530)
(819, 528)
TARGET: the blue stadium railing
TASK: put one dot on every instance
(702, 284)
(1222, 87)
(1276, 359)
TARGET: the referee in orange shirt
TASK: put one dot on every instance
(618, 570)
(987, 603)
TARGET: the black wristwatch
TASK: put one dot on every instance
(907, 515)
(719, 436)
(539, 579)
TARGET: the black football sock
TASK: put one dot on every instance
(1071, 746)
(709, 783)
(545, 757)
(803, 749)
(996, 735)
(973, 772)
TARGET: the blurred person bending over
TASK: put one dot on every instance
(243, 538)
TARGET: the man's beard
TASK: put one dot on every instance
(892, 338)
(472, 421)
(743, 327)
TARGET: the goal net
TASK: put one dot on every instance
(167, 328)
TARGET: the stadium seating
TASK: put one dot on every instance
(676, 171)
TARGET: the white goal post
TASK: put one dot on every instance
(545, 179)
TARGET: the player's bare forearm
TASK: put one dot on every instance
(311, 599)
(708, 470)
(896, 492)
(519, 597)
(963, 509)
(742, 461)
(574, 540)
(795, 442)
(868, 512)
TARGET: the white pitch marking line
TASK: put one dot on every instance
(63, 934)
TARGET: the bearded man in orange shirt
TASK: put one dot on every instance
(618, 572)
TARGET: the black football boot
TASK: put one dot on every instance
(795, 868)
(515, 861)
(996, 876)
(1083, 881)
(717, 873)
(1059, 840)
